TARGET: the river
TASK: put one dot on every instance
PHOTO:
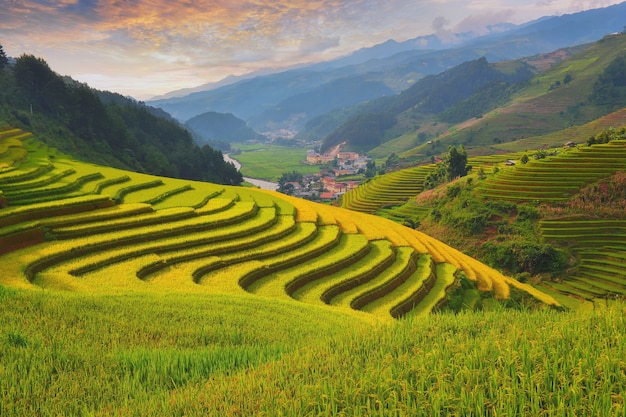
(265, 185)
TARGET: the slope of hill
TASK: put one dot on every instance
(219, 127)
(562, 96)
(73, 226)
(104, 127)
(523, 217)
(431, 95)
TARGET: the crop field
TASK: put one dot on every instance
(70, 225)
(269, 162)
(390, 189)
(383, 195)
(145, 296)
(600, 247)
(132, 354)
(556, 178)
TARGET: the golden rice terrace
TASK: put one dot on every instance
(74, 226)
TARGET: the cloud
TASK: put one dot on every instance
(439, 29)
(184, 43)
(316, 44)
(478, 23)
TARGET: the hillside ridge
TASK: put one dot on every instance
(104, 230)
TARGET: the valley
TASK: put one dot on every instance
(459, 249)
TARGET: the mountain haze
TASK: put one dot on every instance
(220, 127)
(257, 99)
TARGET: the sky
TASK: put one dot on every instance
(144, 48)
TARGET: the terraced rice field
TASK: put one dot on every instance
(391, 189)
(387, 195)
(72, 226)
(600, 245)
(556, 178)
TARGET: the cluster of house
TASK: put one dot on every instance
(345, 163)
(329, 186)
(320, 187)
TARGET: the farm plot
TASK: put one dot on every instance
(600, 245)
(122, 231)
(390, 189)
(556, 178)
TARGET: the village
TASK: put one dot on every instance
(327, 185)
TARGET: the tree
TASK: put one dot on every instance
(370, 169)
(456, 162)
(567, 79)
(454, 165)
(4, 61)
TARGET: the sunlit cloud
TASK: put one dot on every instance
(145, 47)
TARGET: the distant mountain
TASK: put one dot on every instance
(581, 88)
(220, 127)
(397, 65)
(333, 95)
(430, 96)
(231, 79)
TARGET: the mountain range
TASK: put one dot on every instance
(265, 102)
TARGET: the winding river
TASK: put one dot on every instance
(265, 185)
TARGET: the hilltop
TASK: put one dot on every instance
(104, 127)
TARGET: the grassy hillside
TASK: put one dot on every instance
(73, 226)
(137, 354)
(558, 217)
(563, 96)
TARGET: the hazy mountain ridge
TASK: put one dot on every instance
(431, 95)
(249, 99)
(220, 127)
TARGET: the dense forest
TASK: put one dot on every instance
(103, 127)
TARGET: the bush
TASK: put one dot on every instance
(525, 256)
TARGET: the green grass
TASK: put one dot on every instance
(183, 354)
(269, 162)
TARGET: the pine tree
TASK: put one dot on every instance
(4, 61)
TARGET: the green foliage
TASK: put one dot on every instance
(526, 212)
(567, 79)
(610, 87)
(287, 177)
(105, 127)
(464, 296)
(456, 162)
(525, 255)
(4, 61)
(392, 160)
(370, 170)
(453, 166)
(607, 135)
